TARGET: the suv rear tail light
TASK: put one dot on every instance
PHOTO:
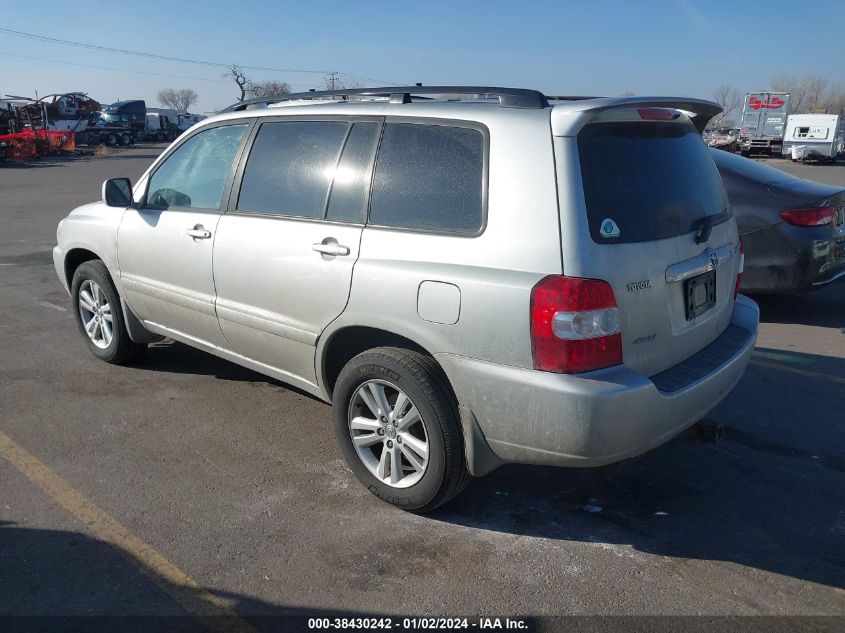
(741, 268)
(574, 325)
(809, 217)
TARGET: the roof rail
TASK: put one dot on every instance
(508, 97)
(570, 97)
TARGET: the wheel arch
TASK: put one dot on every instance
(343, 344)
(74, 258)
(77, 256)
(346, 342)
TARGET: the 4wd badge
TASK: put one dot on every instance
(609, 228)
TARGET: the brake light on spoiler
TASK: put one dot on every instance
(657, 114)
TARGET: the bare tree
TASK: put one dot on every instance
(181, 99)
(837, 101)
(237, 75)
(810, 93)
(729, 99)
(267, 88)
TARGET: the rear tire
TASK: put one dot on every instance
(420, 408)
(99, 315)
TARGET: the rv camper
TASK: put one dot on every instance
(814, 136)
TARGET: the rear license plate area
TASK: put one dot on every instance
(700, 294)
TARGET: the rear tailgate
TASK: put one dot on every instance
(637, 187)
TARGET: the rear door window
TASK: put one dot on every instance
(290, 168)
(429, 177)
(646, 180)
(348, 200)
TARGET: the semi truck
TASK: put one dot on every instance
(763, 123)
(160, 128)
(119, 123)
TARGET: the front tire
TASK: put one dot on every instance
(96, 306)
(397, 423)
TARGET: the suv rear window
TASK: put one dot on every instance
(647, 180)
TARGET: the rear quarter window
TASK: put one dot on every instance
(429, 177)
(646, 180)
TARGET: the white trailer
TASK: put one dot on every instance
(814, 136)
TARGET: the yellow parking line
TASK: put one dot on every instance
(794, 370)
(184, 589)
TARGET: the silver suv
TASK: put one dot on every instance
(486, 277)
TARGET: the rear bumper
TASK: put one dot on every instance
(764, 144)
(534, 417)
(784, 258)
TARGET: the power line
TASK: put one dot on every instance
(54, 40)
(122, 70)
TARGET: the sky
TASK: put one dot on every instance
(601, 47)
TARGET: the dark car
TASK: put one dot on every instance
(793, 230)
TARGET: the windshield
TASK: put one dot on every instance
(647, 180)
(750, 169)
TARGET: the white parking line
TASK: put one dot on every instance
(47, 304)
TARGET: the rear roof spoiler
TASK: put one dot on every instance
(700, 111)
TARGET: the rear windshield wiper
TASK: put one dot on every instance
(704, 225)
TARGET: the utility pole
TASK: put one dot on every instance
(332, 81)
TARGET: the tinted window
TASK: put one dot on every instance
(429, 177)
(195, 174)
(647, 180)
(748, 168)
(352, 177)
(290, 168)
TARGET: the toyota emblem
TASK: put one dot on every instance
(714, 259)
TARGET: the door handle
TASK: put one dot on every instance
(199, 232)
(330, 247)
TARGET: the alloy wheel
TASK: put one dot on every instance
(388, 433)
(96, 314)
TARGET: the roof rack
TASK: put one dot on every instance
(570, 97)
(508, 97)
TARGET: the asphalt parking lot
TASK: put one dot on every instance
(234, 484)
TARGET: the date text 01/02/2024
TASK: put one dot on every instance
(418, 624)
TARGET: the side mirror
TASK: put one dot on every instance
(117, 192)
